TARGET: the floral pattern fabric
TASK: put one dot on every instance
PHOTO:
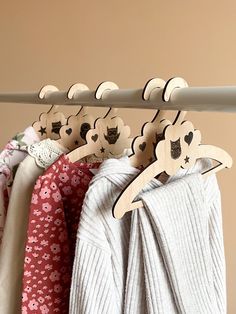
(54, 216)
(10, 157)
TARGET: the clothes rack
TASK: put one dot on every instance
(222, 99)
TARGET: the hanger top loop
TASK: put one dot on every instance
(103, 87)
(173, 83)
(45, 89)
(74, 88)
(152, 84)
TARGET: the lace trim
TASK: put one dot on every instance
(45, 152)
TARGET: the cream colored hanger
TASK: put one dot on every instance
(180, 148)
(151, 133)
(73, 134)
(49, 123)
(110, 137)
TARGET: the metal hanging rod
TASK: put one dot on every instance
(222, 99)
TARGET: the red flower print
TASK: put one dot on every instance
(45, 193)
(46, 256)
(55, 248)
(53, 186)
(41, 299)
(44, 309)
(57, 222)
(67, 190)
(44, 243)
(27, 260)
(75, 180)
(46, 207)
(65, 167)
(63, 177)
(57, 288)
(49, 218)
(37, 185)
(32, 240)
(34, 199)
(33, 305)
(24, 296)
(28, 248)
(55, 276)
(56, 196)
(24, 310)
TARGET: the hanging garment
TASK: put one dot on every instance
(102, 250)
(182, 256)
(42, 154)
(54, 216)
(13, 153)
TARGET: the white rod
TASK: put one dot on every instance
(190, 99)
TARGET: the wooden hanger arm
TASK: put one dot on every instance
(79, 153)
(124, 202)
(217, 154)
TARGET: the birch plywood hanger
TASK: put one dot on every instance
(151, 133)
(73, 134)
(180, 148)
(110, 137)
(49, 123)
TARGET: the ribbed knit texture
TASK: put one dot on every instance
(119, 265)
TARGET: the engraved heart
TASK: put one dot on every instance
(142, 146)
(94, 137)
(188, 138)
(69, 131)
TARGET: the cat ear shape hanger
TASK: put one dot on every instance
(180, 148)
(110, 137)
(49, 123)
(73, 134)
(151, 133)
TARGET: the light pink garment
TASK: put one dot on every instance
(10, 157)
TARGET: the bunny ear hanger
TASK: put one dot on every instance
(77, 87)
(49, 123)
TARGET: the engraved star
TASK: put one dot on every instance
(42, 130)
(102, 150)
(186, 159)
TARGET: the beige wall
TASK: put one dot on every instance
(63, 42)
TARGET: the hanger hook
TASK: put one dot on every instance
(74, 88)
(105, 86)
(101, 89)
(43, 92)
(45, 89)
(152, 84)
(172, 84)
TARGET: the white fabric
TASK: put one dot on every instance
(14, 236)
(183, 267)
(101, 261)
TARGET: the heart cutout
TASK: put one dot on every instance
(142, 146)
(69, 131)
(188, 138)
(94, 137)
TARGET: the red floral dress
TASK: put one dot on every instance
(54, 216)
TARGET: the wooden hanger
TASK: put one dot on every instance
(49, 123)
(151, 133)
(180, 148)
(110, 137)
(73, 134)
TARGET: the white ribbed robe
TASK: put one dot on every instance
(119, 265)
